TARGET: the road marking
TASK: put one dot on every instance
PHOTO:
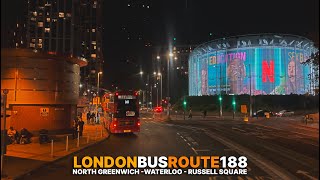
(178, 133)
(267, 166)
(306, 174)
(144, 118)
(189, 144)
(202, 150)
(194, 151)
(239, 129)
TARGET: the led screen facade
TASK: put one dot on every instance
(256, 65)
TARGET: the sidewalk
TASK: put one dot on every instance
(21, 159)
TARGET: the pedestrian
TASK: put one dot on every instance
(80, 124)
(92, 117)
(74, 129)
(88, 117)
(204, 113)
(190, 114)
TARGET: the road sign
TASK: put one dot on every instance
(244, 109)
(44, 111)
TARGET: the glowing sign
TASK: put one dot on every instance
(267, 71)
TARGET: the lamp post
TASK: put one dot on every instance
(159, 74)
(4, 132)
(98, 94)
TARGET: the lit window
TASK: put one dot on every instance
(17, 25)
(61, 14)
(35, 13)
(93, 55)
(68, 14)
(33, 40)
(93, 42)
(94, 47)
(93, 30)
(16, 44)
(21, 42)
(47, 30)
(40, 41)
(14, 33)
(39, 45)
(40, 24)
(33, 19)
(32, 45)
(48, 19)
(48, 14)
(54, 20)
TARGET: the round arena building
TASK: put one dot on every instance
(263, 64)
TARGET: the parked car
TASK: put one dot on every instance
(284, 113)
(158, 109)
(261, 113)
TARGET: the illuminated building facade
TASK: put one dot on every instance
(253, 64)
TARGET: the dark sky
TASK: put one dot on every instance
(191, 21)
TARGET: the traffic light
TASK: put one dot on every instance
(184, 102)
(234, 102)
(220, 98)
(174, 39)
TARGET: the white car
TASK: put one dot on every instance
(285, 113)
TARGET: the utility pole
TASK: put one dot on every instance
(4, 131)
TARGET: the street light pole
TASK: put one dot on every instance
(4, 133)
(250, 91)
(160, 88)
(98, 95)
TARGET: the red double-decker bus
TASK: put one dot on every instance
(123, 110)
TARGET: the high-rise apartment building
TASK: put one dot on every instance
(69, 27)
(50, 25)
(88, 32)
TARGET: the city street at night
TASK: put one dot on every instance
(271, 152)
(159, 89)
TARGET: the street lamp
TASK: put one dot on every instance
(98, 88)
(158, 57)
(159, 74)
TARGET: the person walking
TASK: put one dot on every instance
(204, 113)
(93, 116)
(80, 124)
(190, 114)
(74, 129)
(88, 117)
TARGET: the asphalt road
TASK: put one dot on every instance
(271, 153)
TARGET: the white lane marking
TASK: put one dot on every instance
(306, 174)
(202, 150)
(269, 167)
(189, 144)
(238, 129)
(194, 151)
(178, 133)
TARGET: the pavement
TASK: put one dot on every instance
(23, 159)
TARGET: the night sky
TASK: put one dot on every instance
(190, 21)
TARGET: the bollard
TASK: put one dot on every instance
(78, 142)
(87, 139)
(51, 147)
(67, 143)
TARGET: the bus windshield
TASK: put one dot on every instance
(126, 108)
